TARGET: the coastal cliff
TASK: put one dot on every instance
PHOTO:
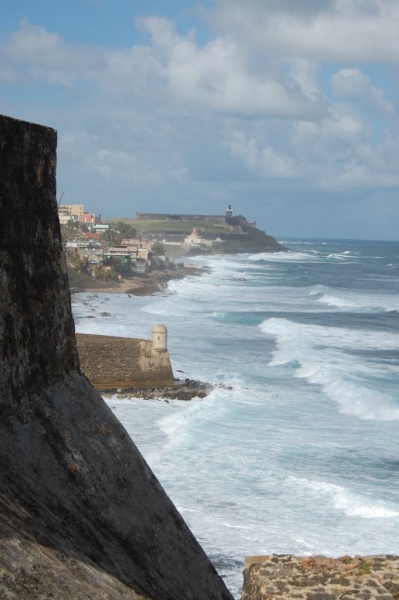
(81, 513)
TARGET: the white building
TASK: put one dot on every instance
(194, 239)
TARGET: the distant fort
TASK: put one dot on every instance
(176, 217)
(216, 219)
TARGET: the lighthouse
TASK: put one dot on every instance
(229, 212)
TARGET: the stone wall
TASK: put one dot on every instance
(33, 278)
(287, 577)
(74, 489)
(179, 217)
(121, 363)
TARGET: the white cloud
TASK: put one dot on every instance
(338, 154)
(45, 56)
(353, 84)
(265, 162)
(305, 73)
(333, 30)
(219, 76)
(207, 122)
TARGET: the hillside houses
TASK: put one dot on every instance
(117, 249)
(85, 241)
(129, 258)
(91, 250)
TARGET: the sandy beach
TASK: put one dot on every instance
(151, 283)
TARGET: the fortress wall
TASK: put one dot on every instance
(178, 217)
(122, 363)
(75, 491)
(288, 577)
(34, 294)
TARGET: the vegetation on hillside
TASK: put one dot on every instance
(179, 227)
(82, 281)
(117, 232)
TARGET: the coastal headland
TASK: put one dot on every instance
(152, 248)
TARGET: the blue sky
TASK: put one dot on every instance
(286, 109)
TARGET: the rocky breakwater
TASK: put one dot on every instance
(81, 514)
(182, 389)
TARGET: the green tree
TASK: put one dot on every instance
(117, 232)
(158, 248)
(103, 274)
(79, 263)
(70, 229)
(126, 231)
(111, 237)
(123, 267)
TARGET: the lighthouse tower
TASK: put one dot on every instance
(229, 212)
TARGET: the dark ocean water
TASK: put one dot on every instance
(302, 455)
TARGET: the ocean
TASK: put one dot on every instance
(299, 451)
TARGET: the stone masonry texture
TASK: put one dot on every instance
(111, 362)
(278, 577)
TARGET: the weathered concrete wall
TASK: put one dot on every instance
(319, 578)
(121, 363)
(71, 480)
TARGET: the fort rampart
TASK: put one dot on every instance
(117, 363)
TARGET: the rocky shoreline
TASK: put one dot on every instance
(182, 389)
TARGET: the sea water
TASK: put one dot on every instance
(298, 451)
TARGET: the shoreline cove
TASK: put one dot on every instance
(154, 282)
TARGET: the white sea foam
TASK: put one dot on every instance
(319, 356)
(178, 427)
(338, 302)
(366, 302)
(283, 257)
(317, 290)
(343, 499)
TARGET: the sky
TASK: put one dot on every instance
(285, 109)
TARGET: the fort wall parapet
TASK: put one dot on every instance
(288, 577)
(179, 217)
(118, 363)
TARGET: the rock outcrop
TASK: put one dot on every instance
(77, 500)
